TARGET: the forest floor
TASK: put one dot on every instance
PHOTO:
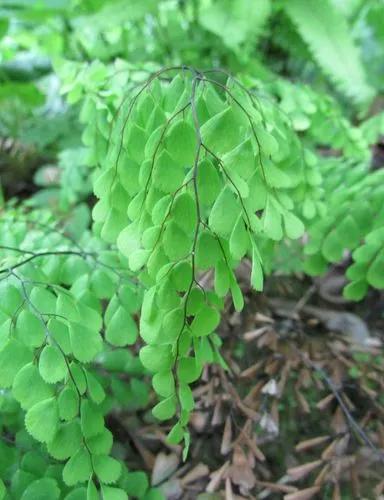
(298, 414)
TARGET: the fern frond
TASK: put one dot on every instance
(325, 31)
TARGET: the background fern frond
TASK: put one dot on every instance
(325, 31)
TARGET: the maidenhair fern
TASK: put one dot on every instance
(197, 175)
(53, 290)
(355, 222)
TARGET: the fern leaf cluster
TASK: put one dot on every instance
(198, 172)
(53, 290)
(354, 223)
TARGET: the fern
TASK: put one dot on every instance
(53, 288)
(191, 162)
(326, 32)
(354, 223)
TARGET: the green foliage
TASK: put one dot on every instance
(189, 128)
(193, 170)
(51, 318)
(354, 199)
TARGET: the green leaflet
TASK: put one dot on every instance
(12, 298)
(29, 387)
(68, 403)
(94, 388)
(42, 420)
(110, 493)
(156, 358)
(208, 250)
(239, 239)
(176, 243)
(66, 441)
(78, 468)
(271, 220)
(225, 130)
(52, 365)
(224, 213)
(121, 329)
(92, 421)
(60, 334)
(208, 181)
(42, 488)
(184, 212)
(30, 329)
(136, 483)
(205, 321)
(188, 370)
(375, 274)
(13, 356)
(85, 342)
(167, 174)
(163, 383)
(165, 409)
(107, 469)
(181, 143)
(101, 444)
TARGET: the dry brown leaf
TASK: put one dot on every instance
(253, 394)
(217, 417)
(240, 471)
(338, 422)
(280, 488)
(306, 494)
(348, 402)
(283, 378)
(303, 403)
(199, 471)
(262, 318)
(252, 370)
(275, 414)
(322, 476)
(228, 490)
(239, 457)
(164, 467)
(172, 489)
(248, 412)
(311, 443)
(255, 334)
(252, 445)
(226, 442)
(273, 367)
(336, 495)
(216, 477)
(270, 339)
(323, 403)
(379, 488)
(302, 471)
(342, 445)
(305, 378)
(329, 451)
(242, 476)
